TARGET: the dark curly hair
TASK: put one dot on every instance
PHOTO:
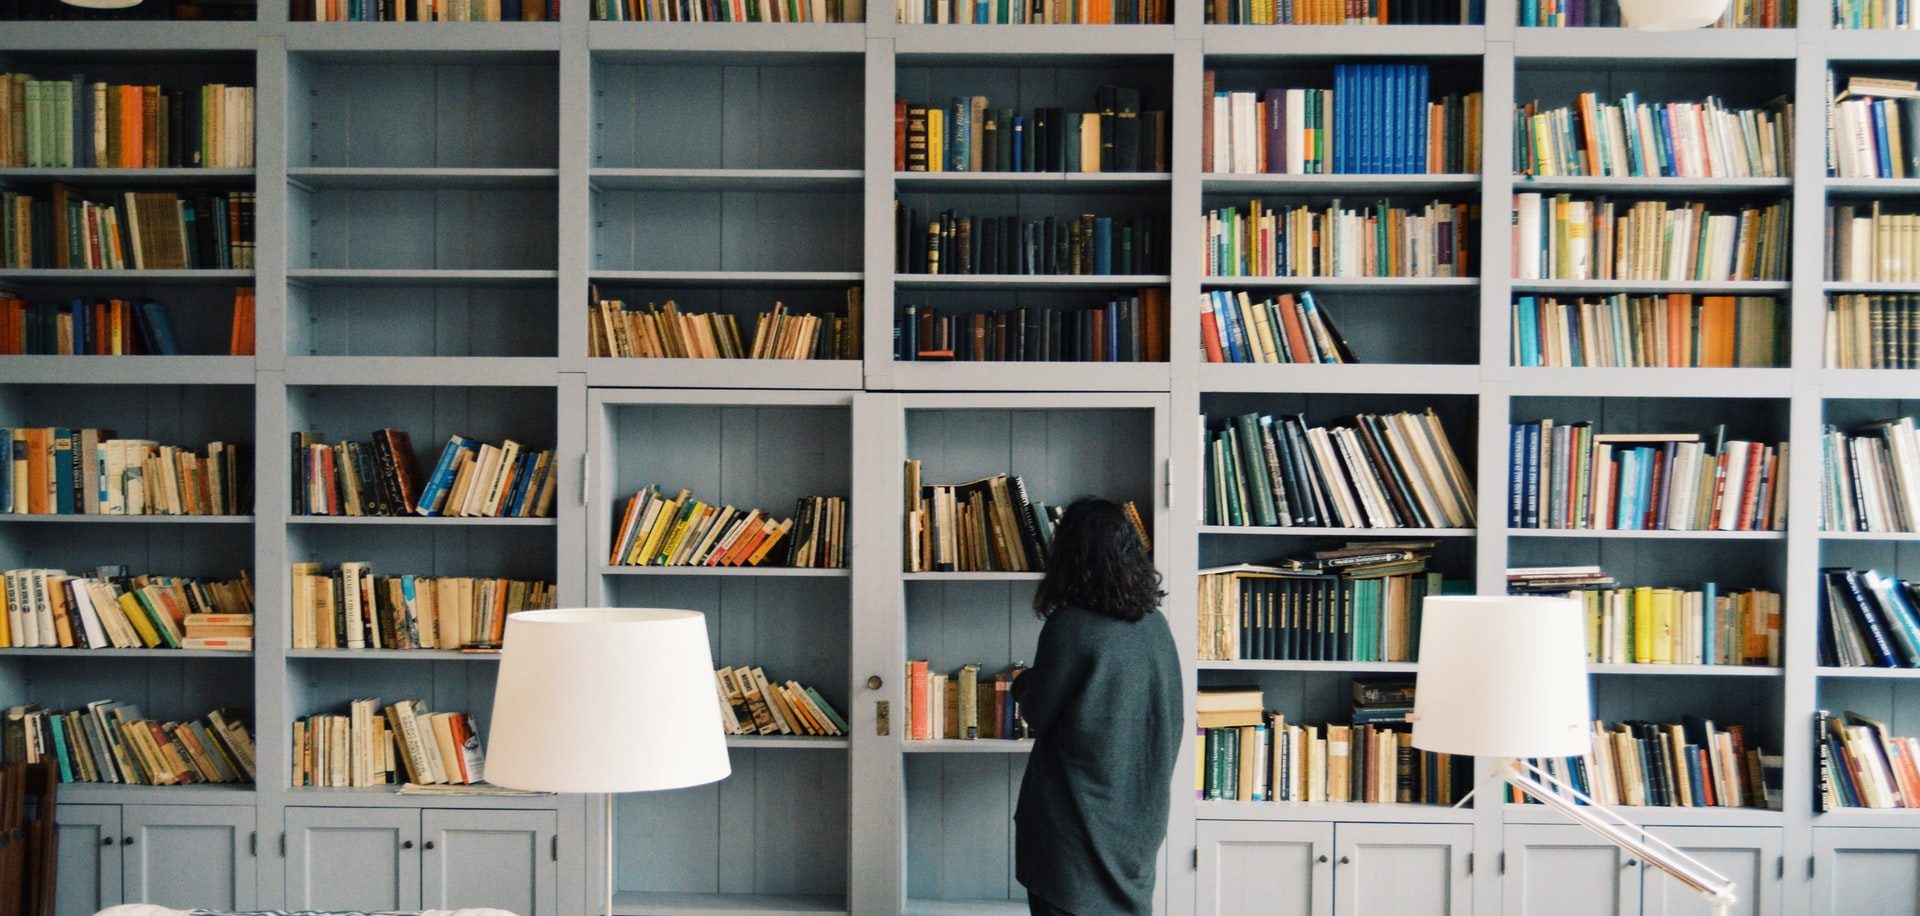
(1097, 563)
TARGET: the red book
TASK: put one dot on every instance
(1210, 333)
(918, 720)
(899, 135)
(1756, 458)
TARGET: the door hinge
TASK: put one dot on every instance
(1166, 467)
(1503, 861)
(1196, 858)
(283, 845)
(1469, 863)
(1780, 869)
(583, 478)
(556, 847)
(253, 843)
(1810, 861)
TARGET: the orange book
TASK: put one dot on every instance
(749, 540)
(132, 117)
(919, 722)
(1153, 302)
(1716, 332)
(39, 470)
(1296, 332)
(1679, 339)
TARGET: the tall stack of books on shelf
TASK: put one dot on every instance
(1357, 602)
(373, 745)
(112, 742)
(1571, 476)
(1661, 625)
(47, 608)
(965, 705)
(351, 608)
(1384, 471)
(657, 530)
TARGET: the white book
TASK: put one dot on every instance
(1296, 129)
(1526, 245)
(1729, 508)
(89, 617)
(350, 604)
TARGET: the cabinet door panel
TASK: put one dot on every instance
(1865, 870)
(1562, 870)
(88, 879)
(1265, 868)
(1402, 870)
(1748, 856)
(353, 859)
(500, 859)
(188, 856)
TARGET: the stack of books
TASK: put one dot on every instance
(1248, 753)
(1676, 330)
(73, 471)
(665, 332)
(1357, 602)
(102, 327)
(1662, 626)
(76, 124)
(427, 11)
(751, 704)
(1378, 119)
(1872, 331)
(1691, 764)
(1862, 764)
(1560, 237)
(1871, 246)
(1437, 240)
(46, 608)
(1639, 139)
(1385, 471)
(1126, 329)
(962, 706)
(1743, 14)
(683, 531)
(985, 525)
(111, 742)
(351, 608)
(375, 746)
(967, 134)
(1571, 476)
(1868, 619)
(1873, 127)
(1327, 12)
(1282, 329)
(1042, 12)
(949, 243)
(1874, 14)
(1870, 478)
(472, 479)
(713, 11)
(134, 230)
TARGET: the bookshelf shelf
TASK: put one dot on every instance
(362, 276)
(129, 37)
(393, 655)
(1869, 536)
(1869, 44)
(1022, 376)
(630, 903)
(1656, 816)
(1651, 186)
(1878, 384)
(390, 797)
(419, 521)
(1864, 286)
(1007, 182)
(665, 179)
(389, 40)
(127, 519)
(1293, 186)
(1340, 667)
(724, 373)
(116, 278)
(730, 42)
(1368, 378)
(977, 746)
(964, 907)
(1686, 670)
(788, 742)
(96, 793)
(1636, 46)
(474, 371)
(1611, 534)
(1345, 284)
(1315, 531)
(142, 179)
(1027, 281)
(330, 178)
(930, 44)
(740, 279)
(1344, 812)
(1599, 287)
(108, 654)
(1653, 382)
(973, 576)
(1872, 673)
(129, 370)
(1265, 41)
(742, 572)
(1874, 187)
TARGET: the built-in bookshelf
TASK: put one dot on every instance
(440, 206)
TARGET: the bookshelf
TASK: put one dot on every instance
(435, 202)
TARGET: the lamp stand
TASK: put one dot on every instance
(607, 801)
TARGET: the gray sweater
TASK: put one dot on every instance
(1104, 696)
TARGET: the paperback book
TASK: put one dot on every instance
(1572, 476)
(1376, 119)
(349, 607)
(1383, 471)
(372, 745)
(1438, 240)
(966, 705)
(657, 530)
(113, 742)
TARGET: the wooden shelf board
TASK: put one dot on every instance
(923, 907)
(1610, 533)
(1053, 182)
(1655, 816)
(15, 518)
(1636, 48)
(663, 179)
(327, 178)
(1835, 671)
(955, 746)
(426, 371)
(407, 41)
(1226, 42)
(139, 38)
(1658, 184)
(789, 742)
(1880, 384)
(129, 370)
(393, 655)
(743, 572)
(413, 277)
(1874, 187)
(1865, 286)
(1028, 281)
(1309, 185)
(117, 279)
(973, 576)
(1869, 536)
(124, 654)
(1601, 287)
(1357, 378)
(643, 903)
(1020, 376)
(1651, 382)
(725, 42)
(1059, 44)
(97, 793)
(829, 374)
(1345, 812)
(121, 178)
(1686, 670)
(390, 797)
(1352, 284)
(1307, 666)
(723, 279)
(1321, 531)
(418, 521)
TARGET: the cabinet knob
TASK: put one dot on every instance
(874, 682)
(427, 845)
(126, 841)
(1345, 860)
(106, 841)
(406, 844)
(1630, 863)
(1323, 858)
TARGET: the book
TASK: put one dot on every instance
(1375, 119)
(615, 329)
(1310, 609)
(65, 229)
(67, 471)
(374, 744)
(1639, 139)
(1381, 471)
(966, 705)
(352, 607)
(656, 530)
(1372, 12)
(1127, 328)
(1693, 763)
(113, 742)
(1565, 237)
(751, 703)
(1664, 625)
(1572, 476)
(1086, 245)
(979, 137)
(984, 525)
(1674, 330)
(1438, 239)
(74, 122)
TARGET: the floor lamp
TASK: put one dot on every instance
(1506, 677)
(606, 700)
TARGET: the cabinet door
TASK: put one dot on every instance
(500, 859)
(1402, 870)
(1269, 868)
(353, 859)
(1563, 870)
(88, 879)
(188, 856)
(1865, 870)
(1748, 856)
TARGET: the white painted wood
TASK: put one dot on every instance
(1265, 868)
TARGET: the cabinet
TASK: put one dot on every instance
(173, 855)
(403, 859)
(1565, 870)
(1322, 869)
(1865, 870)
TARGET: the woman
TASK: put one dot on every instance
(1104, 698)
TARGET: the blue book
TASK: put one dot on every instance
(63, 471)
(80, 314)
(1019, 144)
(1647, 458)
(959, 118)
(442, 476)
(159, 328)
(1113, 333)
(1880, 138)
(1529, 331)
(1709, 624)
(1221, 319)
(1531, 519)
(1236, 325)
(1343, 127)
(1516, 473)
(1900, 619)
(1421, 134)
(1395, 116)
(1663, 141)
(1529, 12)
(1103, 245)
(1623, 491)
(59, 725)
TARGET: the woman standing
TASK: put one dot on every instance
(1104, 698)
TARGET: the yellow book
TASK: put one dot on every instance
(936, 139)
(671, 545)
(137, 616)
(1663, 628)
(1641, 615)
(645, 548)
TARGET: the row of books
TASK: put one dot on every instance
(374, 745)
(655, 530)
(1873, 129)
(1740, 14)
(665, 332)
(1570, 476)
(1358, 602)
(1866, 245)
(1437, 240)
(1862, 764)
(1034, 12)
(1084, 245)
(472, 479)
(136, 230)
(1282, 329)
(1870, 478)
(729, 11)
(351, 608)
(47, 608)
(1875, 14)
(1559, 237)
(72, 123)
(1647, 625)
(752, 704)
(1689, 764)
(102, 327)
(1868, 619)
(425, 10)
(964, 705)
(984, 525)
(69, 471)
(1378, 119)
(1872, 331)
(967, 135)
(1393, 470)
(1340, 12)
(113, 742)
(1639, 139)
(1127, 329)
(1676, 330)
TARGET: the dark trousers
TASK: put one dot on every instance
(1039, 907)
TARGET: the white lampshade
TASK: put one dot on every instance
(602, 700)
(1670, 15)
(1502, 676)
(102, 4)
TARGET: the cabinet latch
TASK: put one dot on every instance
(253, 843)
(1503, 861)
(556, 847)
(1469, 863)
(283, 845)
